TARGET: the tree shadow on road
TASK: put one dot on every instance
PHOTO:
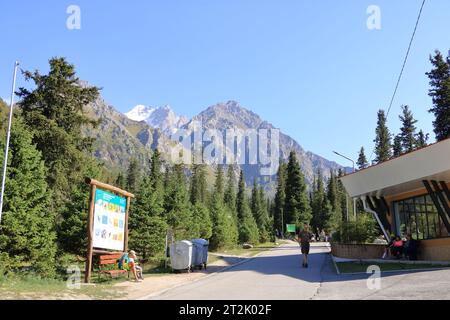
(321, 267)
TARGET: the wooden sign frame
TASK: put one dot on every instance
(103, 186)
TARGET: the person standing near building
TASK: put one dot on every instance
(304, 239)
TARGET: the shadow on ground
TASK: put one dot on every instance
(289, 263)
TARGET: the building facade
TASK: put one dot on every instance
(410, 194)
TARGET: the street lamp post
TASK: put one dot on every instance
(354, 170)
(8, 135)
(346, 194)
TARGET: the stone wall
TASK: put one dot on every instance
(358, 251)
(431, 250)
(435, 250)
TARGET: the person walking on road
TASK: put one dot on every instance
(304, 238)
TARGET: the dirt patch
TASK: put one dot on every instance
(156, 283)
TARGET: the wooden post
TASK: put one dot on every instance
(87, 274)
(125, 244)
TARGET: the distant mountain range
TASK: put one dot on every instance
(232, 115)
(137, 132)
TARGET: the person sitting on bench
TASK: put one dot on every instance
(411, 246)
(397, 247)
(135, 269)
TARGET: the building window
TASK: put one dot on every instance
(420, 217)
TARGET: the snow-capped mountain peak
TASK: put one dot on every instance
(163, 118)
(140, 113)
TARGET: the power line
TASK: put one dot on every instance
(404, 64)
(406, 58)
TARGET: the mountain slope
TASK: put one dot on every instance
(231, 115)
(118, 138)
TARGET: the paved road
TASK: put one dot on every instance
(277, 274)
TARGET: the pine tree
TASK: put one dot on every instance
(280, 198)
(166, 178)
(147, 228)
(147, 224)
(198, 192)
(230, 192)
(259, 210)
(201, 221)
(265, 224)
(315, 206)
(157, 184)
(440, 93)
(71, 227)
(383, 139)
(221, 234)
(254, 200)
(240, 198)
(120, 181)
(397, 147)
(362, 162)
(331, 207)
(408, 130)
(297, 209)
(54, 112)
(248, 230)
(177, 204)
(133, 176)
(323, 216)
(346, 206)
(27, 235)
(230, 205)
(421, 139)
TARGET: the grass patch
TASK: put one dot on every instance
(239, 251)
(32, 287)
(356, 267)
(156, 268)
(213, 258)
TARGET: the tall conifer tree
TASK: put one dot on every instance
(397, 147)
(440, 93)
(27, 235)
(248, 230)
(408, 130)
(296, 209)
(280, 198)
(382, 141)
(362, 162)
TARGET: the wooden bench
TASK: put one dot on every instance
(106, 261)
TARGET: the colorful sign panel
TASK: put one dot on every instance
(290, 228)
(109, 221)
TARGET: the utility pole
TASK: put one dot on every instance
(8, 135)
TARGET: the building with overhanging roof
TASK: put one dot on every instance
(410, 194)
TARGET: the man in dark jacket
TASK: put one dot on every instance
(411, 247)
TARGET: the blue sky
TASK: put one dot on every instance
(311, 68)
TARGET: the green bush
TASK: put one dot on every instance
(359, 231)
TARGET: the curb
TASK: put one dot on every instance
(387, 271)
(335, 265)
(244, 260)
(396, 271)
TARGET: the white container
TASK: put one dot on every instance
(200, 252)
(181, 255)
